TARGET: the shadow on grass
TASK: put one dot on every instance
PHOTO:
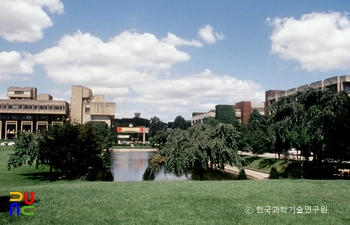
(42, 176)
(248, 160)
(5, 203)
(266, 163)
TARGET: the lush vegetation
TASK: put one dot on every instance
(314, 121)
(179, 122)
(167, 202)
(75, 150)
(225, 114)
(199, 149)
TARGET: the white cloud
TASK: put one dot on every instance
(15, 63)
(127, 58)
(318, 41)
(208, 35)
(24, 20)
(198, 91)
(174, 40)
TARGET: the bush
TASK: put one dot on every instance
(242, 175)
(274, 173)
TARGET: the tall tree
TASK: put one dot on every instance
(257, 135)
(179, 122)
(199, 148)
(155, 125)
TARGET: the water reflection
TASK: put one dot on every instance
(130, 166)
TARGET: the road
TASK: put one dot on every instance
(251, 174)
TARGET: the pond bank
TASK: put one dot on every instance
(135, 150)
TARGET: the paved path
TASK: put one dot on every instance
(251, 174)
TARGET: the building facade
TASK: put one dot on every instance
(85, 106)
(333, 84)
(242, 109)
(24, 110)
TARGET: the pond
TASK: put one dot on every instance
(131, 165)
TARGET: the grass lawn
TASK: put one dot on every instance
(264, 164)
(173, 202)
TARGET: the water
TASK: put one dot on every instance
(130, 166)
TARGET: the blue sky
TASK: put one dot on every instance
(169, 58)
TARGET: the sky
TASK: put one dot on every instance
(175, 57)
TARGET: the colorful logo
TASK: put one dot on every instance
(27, 210)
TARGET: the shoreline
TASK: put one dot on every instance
(134, 149)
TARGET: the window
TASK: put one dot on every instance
(19, 92)
(30, 107)
(87, 110)
(50, 107)
(43, 107)
(35, 107)
(25, 107)
(19, 106)
(10, 106)
(4, 107)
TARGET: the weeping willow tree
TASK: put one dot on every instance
(201, 148)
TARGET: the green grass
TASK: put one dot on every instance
(265, 164)
(173, 202)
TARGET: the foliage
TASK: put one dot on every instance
(26, 150)
(226, 114)
(274, 173)
(74, 149)
(155, 125)
(257, 136)
(242, 175)
(314, 121)
(179, 122)
(159, 139)
(211, 121)
(199, 148)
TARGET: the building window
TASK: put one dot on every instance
(19, 106)
(50, 107)
(43, 107)
(25, 106)
(13, 117)
(19, 92)
(4, 106)
(87, 110)
(35, 107)
(10, 106)
(346, 86)
(30, 107)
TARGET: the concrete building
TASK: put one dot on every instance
(245, 108)
(242, 110)
(85, 107)
(25, 110)
(334, 84)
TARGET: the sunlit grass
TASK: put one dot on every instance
(174, 202)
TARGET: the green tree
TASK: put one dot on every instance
(199, 148)
(210, 120)
(74, 149)
(179, 122)
(313, 121)
(257, 136)
(155, 125)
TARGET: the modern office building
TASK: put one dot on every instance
(25, 110)
(242, 110)
(334, 84)
(85, 107)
